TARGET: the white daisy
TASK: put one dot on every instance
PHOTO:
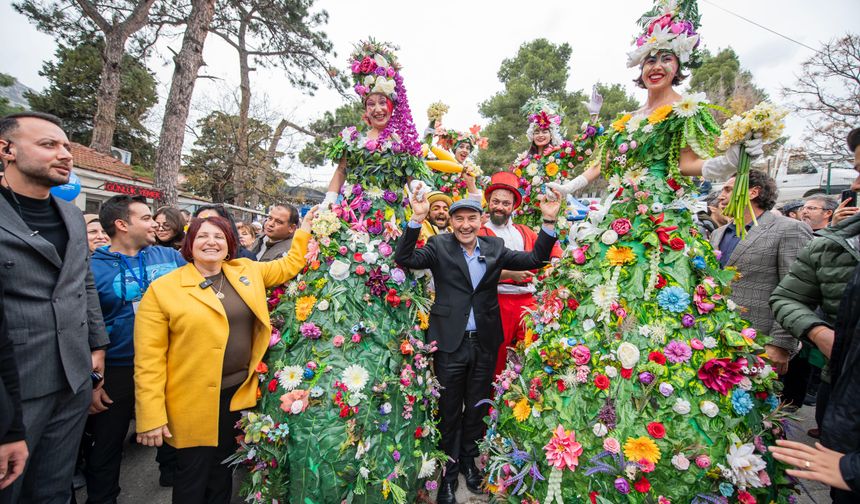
(688, 105)
(290, 377)
(604, 295)
(355, 377)
(428, 467)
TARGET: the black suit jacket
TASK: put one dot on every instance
(443, 255)
(11, 419)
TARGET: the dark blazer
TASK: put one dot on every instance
(443, 255)
(51, 303)
(276, 251)
(11, 418)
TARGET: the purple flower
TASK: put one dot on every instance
(385, 249)
(606, 415)
(376, 282)
(357, 190)
(379, 71)
(398, 275)
(371, 145)
(688, 320)
(364, 206)
(389, 196)
(622, 485)
(383, 427)
(646, 378)
(430, 485)
(590, 131)
(396, 456)
(666, 389)
(677, 352)
(310, 330)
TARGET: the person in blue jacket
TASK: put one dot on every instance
(122, 271)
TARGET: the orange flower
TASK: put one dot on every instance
(406, 347)
(619, 256)
(262, 368)
(659, 114)
(621, 124)
(304, 307)
(551, 169)
(423, 320)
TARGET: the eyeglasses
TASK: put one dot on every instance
(165, 226)
(813, 208)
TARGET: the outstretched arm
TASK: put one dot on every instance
(334, 185)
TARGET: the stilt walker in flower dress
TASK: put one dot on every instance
(646, 385)
(346, 411)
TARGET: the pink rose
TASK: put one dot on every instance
(356, 338)
(621, 226)
(337, 341)
(385, 249)
(275, 338)
(697, 344)
(367, 65)
(579, 254)
(581, 354)
(748, 332)
(612, 445)
(703, 461)
(295, 402)
(661, 22)
(642, 209)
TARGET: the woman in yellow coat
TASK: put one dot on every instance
(199, 334)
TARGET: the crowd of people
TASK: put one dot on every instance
(400, 335)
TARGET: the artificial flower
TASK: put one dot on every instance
(677, 352)
(741, 401)
(304, 307)
(681, 462)
(745, 465)
(720, 374)
(709, 409)
(674, 299)
(563, 451)
(619, 256)
(681, 406)
(621, 123)
(290, 377)
(628, 354)
(355, 377)
(688, 105)
(642, 448)
(656, 430)
(612, 445)
(522, 410)
(339, 270)
(295, 402)
(659, 114)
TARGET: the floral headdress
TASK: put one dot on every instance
(375, 69)
(543, 114)
(449, 138)
(670, 26)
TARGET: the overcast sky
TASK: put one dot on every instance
(451, 50)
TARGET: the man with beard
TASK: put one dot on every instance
(516, 289)
(437, 221)
(51, 304)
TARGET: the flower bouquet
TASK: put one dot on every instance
(764, 121)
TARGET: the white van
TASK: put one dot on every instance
(799, 175)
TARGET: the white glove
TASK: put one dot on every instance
(329, 200)
(419, 189)
(593, 106)
(566, 188)
(721, 168)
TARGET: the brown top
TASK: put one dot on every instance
(237, 354)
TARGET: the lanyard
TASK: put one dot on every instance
(143, 283)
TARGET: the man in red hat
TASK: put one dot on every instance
(516, 289)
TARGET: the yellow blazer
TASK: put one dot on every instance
(180, 333)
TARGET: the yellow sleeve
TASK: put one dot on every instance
(281, 270)
(150, 363)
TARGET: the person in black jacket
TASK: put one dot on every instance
(836, 460)
(465, 321)
(13, 448)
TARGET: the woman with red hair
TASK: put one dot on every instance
(200, 334)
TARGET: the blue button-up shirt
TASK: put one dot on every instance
(477, 267)
(728, 243)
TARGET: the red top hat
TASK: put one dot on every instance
(505, 180)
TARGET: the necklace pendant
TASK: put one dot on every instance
(219, 295)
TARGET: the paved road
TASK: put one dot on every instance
(139, 480)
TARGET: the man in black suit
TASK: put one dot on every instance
(13, 448)
(465, 321)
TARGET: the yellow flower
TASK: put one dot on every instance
(642, 448)
(619, 256)
(551, 169)
(304, 307)
(522, 410)
(518, 172)
(659, 114)
(621, 123)
(423, 320)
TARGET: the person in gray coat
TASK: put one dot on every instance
(762, 259)
(51, 304)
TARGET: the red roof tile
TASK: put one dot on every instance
(87, 158)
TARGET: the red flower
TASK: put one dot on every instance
(601, 381)
(357, 257)
(661, 282)
(643, 485)
(367, 65)
(626, 373)
(656, 430)
(673, 184)
(359, 270)
(677, 243)
(657, 357)
(560, 385)
(720, 374)
(572, 303)
(745, 497)
(761, 395)
(419, 432)
(273, 385)
(593, 497)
